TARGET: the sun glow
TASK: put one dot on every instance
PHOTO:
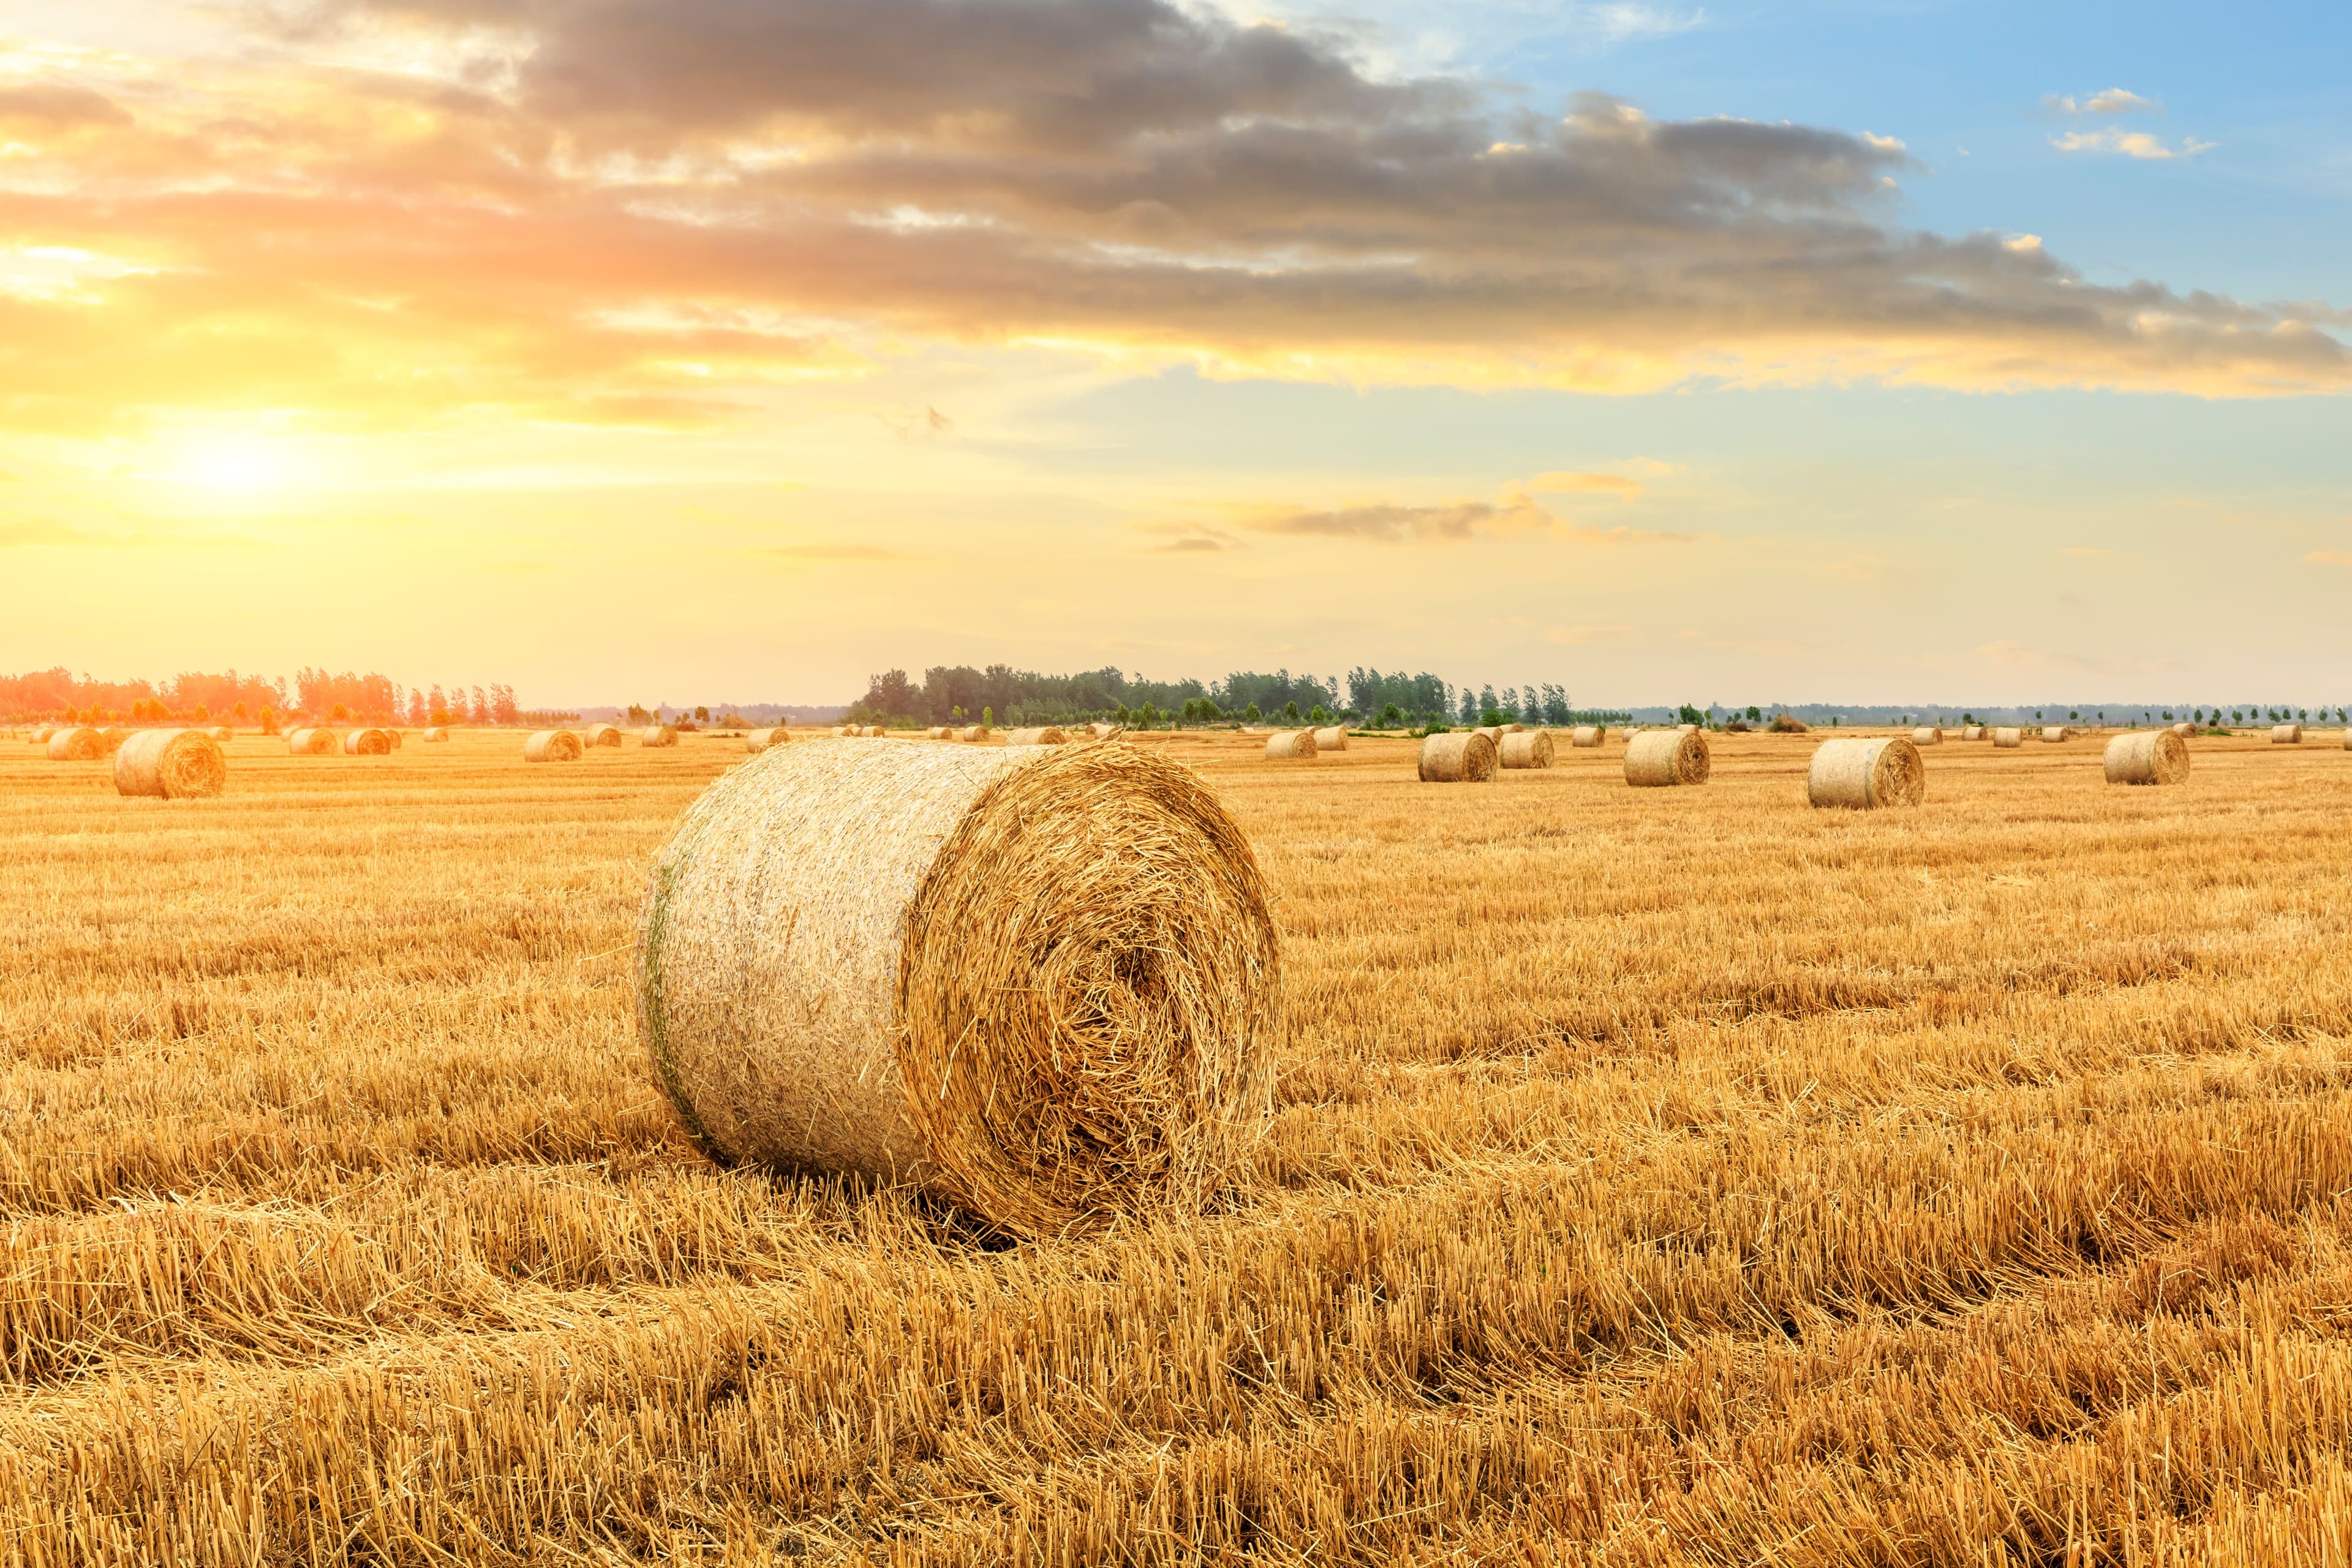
(245, 464)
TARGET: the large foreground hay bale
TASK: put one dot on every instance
(1660, 757)
(1458, 756)
(2008, 736)
(1864, 774)
(438, 735)
(313, 742)
(1331, 738)
(973, 732)
(2287, 734)
(2147, 757)
(1531, 749)
(1291, 745)
(601, 735)
(1036, 735)
(552, 746)
(75, 743)
(1587, 735)
(761, 740)
(2053, 733)
(1925, 735)
(1043, 985)
(174, 764)
(365, 743)
(658, 735)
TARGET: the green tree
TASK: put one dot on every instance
(1252, 714)
(1290, 710)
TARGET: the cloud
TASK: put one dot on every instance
(2329, 558)
(1189, 538)
(1617, 22)
(1388, 524)
(1562, 482)
(2130, 143)
(2113, 100)
(647, 213)
(803, 554)
(1576, 637)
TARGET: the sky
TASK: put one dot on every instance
(639, 349)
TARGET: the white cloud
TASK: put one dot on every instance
(2113, 100)
(2130, 143)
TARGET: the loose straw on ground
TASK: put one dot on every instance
(1531, 748)
(1866, 773)
(1036, 735)
(367, 743)
(313, 742)
(75, 743)
(2147, 757)
(2287, 734)
(761, 740)
(1458, 756)
(1587, 735)
(1333, 738)
(1655, 758)
(171, 764)
(552, 746)
(1041, 985)
(658, 735)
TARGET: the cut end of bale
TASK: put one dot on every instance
(1866, 773)
(1658, 758)
(170, 764)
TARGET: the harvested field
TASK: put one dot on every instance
(1657, 1176)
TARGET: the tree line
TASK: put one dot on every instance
(229, 698)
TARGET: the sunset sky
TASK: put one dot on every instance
(679, 349)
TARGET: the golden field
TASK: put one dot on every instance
(1658, 1176)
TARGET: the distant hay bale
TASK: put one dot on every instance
(1458, 756)
(844, 732)
(1514, 729)
(171, 764)
(1925, 735)
(437, 735)
(1655, 758)
(2287, 734)
(1102, 731)
(1493, 733)
(2147, 757)
(552, 746)
(938, 732)
(1686, 728)
(1866, 773)
(1042, 985)
(1291, 745)
(601, 735)
(2008, 737)
(1531, 749)
(2184, 728)
(1036, 735)
(658, 735)
(1587, 735)
(1972, 731)
(366, 742)
(75, 743)
(313, 742)
(875, 731)
(2053, 733)
(221, 733)
(973, 732)
(1333, 739)
(761, 740)
(398, 740)
(41, 734)
(1789, 724)
(112, 739)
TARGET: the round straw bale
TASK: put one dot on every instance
(973, 732)
(1102, 731)
(1332, 739)
(1865, 773)
(658, 735)
(2348, 740)
(2287, 734)
(313, 742)
(1925, 735)
(1036, 735)
(875, 731)
(366, 743)
(1291, 745)
(601, 735)
(398, 740)
(75, 743)
(1789, 724)
(1972, 731)
(1043, 985)
(2147, 757)
(1531, 749)
(1587, 735)
(552, 746)
(1458, 756)
(761, 740)
(41, 735)
(1657, 757)
(1493, 733)
(2053, 733)
(939, 733)
(221, 733)
(1686, 728)
(172, 764)
(112, 739)
(844, 732)
(437, 735)
(2008, 736)
(2184, 728)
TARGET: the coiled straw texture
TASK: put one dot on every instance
(75, 743)
(311, 743)
(2147, 757)
(172, 764)
(552, 746)
(1655, 758)
(1291, 745)
(1528, 749)
(1043, 985)
(1862, 774)
(1458, 756)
